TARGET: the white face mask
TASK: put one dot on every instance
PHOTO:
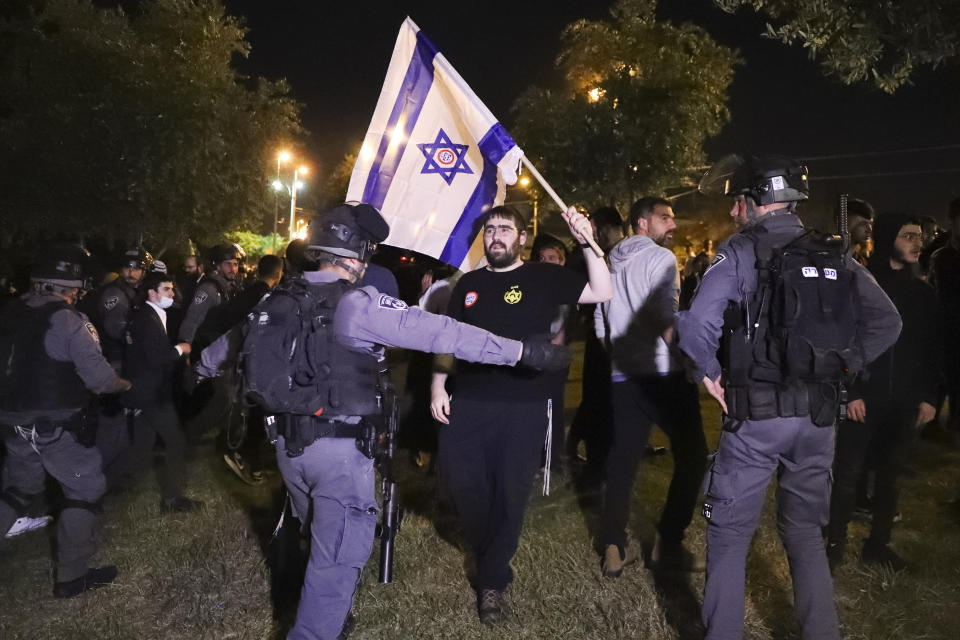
(164, 302)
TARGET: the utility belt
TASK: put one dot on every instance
(821, 401)
(300, 431)
(82, 424)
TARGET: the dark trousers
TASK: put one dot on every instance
(30, 457)
(160, 420)
(800, 454)
(593, 419)
(638, 403)
(884, 438)
(487, 457)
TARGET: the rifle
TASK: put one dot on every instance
(392, 512)
(843, 223)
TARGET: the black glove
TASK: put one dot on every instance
(542, 355)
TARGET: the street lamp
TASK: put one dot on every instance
(282, 157)
(525, 183)
(296, 184)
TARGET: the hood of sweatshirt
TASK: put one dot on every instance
(627, 249)
(885, 231)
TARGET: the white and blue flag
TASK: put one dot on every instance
(434, 158)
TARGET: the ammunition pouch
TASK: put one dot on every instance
(764, 401)
(300, 432)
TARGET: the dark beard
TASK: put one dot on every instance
(666, 240)
(506, 259)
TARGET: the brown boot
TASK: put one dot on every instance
(615, 559)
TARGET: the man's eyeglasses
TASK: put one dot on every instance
(911, 236)
(502, 229)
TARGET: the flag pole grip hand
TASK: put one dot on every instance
(560, 203)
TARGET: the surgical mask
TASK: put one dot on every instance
(165, 302)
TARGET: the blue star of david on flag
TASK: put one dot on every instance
(444, 157)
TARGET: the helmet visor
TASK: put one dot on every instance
(718, 179)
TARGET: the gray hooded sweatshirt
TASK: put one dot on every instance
(646, 294)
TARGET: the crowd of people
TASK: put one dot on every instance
(825, 354)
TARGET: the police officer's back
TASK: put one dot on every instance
(778, 416)
(323, 388)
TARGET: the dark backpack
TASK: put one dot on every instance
(803, 320)
(19, 332)
(284, 334)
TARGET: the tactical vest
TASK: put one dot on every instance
(31, 380)
(293, 363)
(221, 284)
(112, 348)
(787, 349)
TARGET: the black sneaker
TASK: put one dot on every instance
(180, 504)
(884, 556)
(92, 579)
(491, 606)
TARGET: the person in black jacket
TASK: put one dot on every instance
(896, 397)
(150, 361)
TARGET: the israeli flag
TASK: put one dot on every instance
(434, 158)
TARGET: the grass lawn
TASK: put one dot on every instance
(208, 575)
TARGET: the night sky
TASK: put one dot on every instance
(335, 56)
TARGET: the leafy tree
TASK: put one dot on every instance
(639, 99)
(121, 124)
(334, 190)
(879, 41)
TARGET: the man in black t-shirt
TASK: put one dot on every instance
(490, 451)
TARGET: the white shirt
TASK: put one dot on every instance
(163, 320)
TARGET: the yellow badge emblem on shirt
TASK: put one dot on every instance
(513, 295)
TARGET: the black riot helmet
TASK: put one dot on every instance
(348, 231)
(765, 179)
(137, 258)
(223, 252)
(62, 265)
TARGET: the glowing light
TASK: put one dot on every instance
(595, 94)
(430, 220)
(524, 181)
(283, 156)
(396, 136)
(366, 153)
(303, 171)
(277, 185)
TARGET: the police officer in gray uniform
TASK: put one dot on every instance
(54, 365)
(329, 478)
(216, 287)
(786, 440)
(117, 301)
(115, 304)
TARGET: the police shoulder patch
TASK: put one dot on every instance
(110, 302)
(92, 330)
(389, 302)
(717, 259)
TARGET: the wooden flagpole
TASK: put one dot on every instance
(560, 203)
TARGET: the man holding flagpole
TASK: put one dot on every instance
(498, 423)
(436, 162)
